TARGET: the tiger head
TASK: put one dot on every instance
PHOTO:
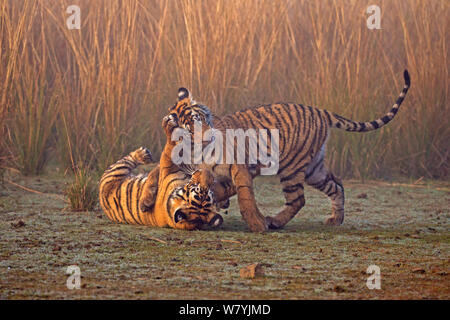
(194, 206)
(187, 112)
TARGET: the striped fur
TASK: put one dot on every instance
(303, 133)
(166, 197)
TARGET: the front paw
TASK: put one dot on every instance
(334, 221)
(148, 202)
(225, 204)
(258, 225)
(169, 123)
(145, 208)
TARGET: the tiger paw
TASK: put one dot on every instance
(258, 225)
(272, 223)
(148, 202)
(146, 206)
(223, 204)
(169, 123)
(334, 221)
(142, 155)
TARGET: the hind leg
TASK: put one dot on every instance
(295, 200)
(319, 177)
(150, 190)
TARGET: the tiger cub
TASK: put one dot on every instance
(165, 197)
(303, 133)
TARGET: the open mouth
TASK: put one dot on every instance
(216, 221)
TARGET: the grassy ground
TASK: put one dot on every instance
(402, 228)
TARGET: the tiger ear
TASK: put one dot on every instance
(183, 93)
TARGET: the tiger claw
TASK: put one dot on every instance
(144, 208)
(147, 155)
(142, 155)
(169, 123)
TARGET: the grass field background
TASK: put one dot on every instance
(94, 94)
(400, 227)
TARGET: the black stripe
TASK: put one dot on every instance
(335, 181)
(305, 153)
(399, 100)
(394, 110)
(385, 119)
(321, 184)
(279, 124)
(116, 175)
(118, 167)
(328, 189)
(321, 126)
(129, 200)
(300, 198)
(293, 188)
(140, 187)
(333, 193)
(294, 155)
(247, 117)
(327, 114)
(185, 115)
(195, 204)
(118, 197)
(267, 120)
(362, 126)
(292, 175)
(107, 207)
(314, 169)
(119, 207)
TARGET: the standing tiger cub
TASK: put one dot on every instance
(166, 197)
(303, 133)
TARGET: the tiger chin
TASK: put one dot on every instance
(165, 197)
(303, 134)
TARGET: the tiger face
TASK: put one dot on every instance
(193, 205)
(188, 113)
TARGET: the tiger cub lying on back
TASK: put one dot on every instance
(303, 134)
(164, 197)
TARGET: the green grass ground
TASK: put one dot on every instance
(402, 228)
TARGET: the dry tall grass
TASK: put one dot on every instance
(101, 91)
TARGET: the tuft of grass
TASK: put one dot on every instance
(82, 193)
